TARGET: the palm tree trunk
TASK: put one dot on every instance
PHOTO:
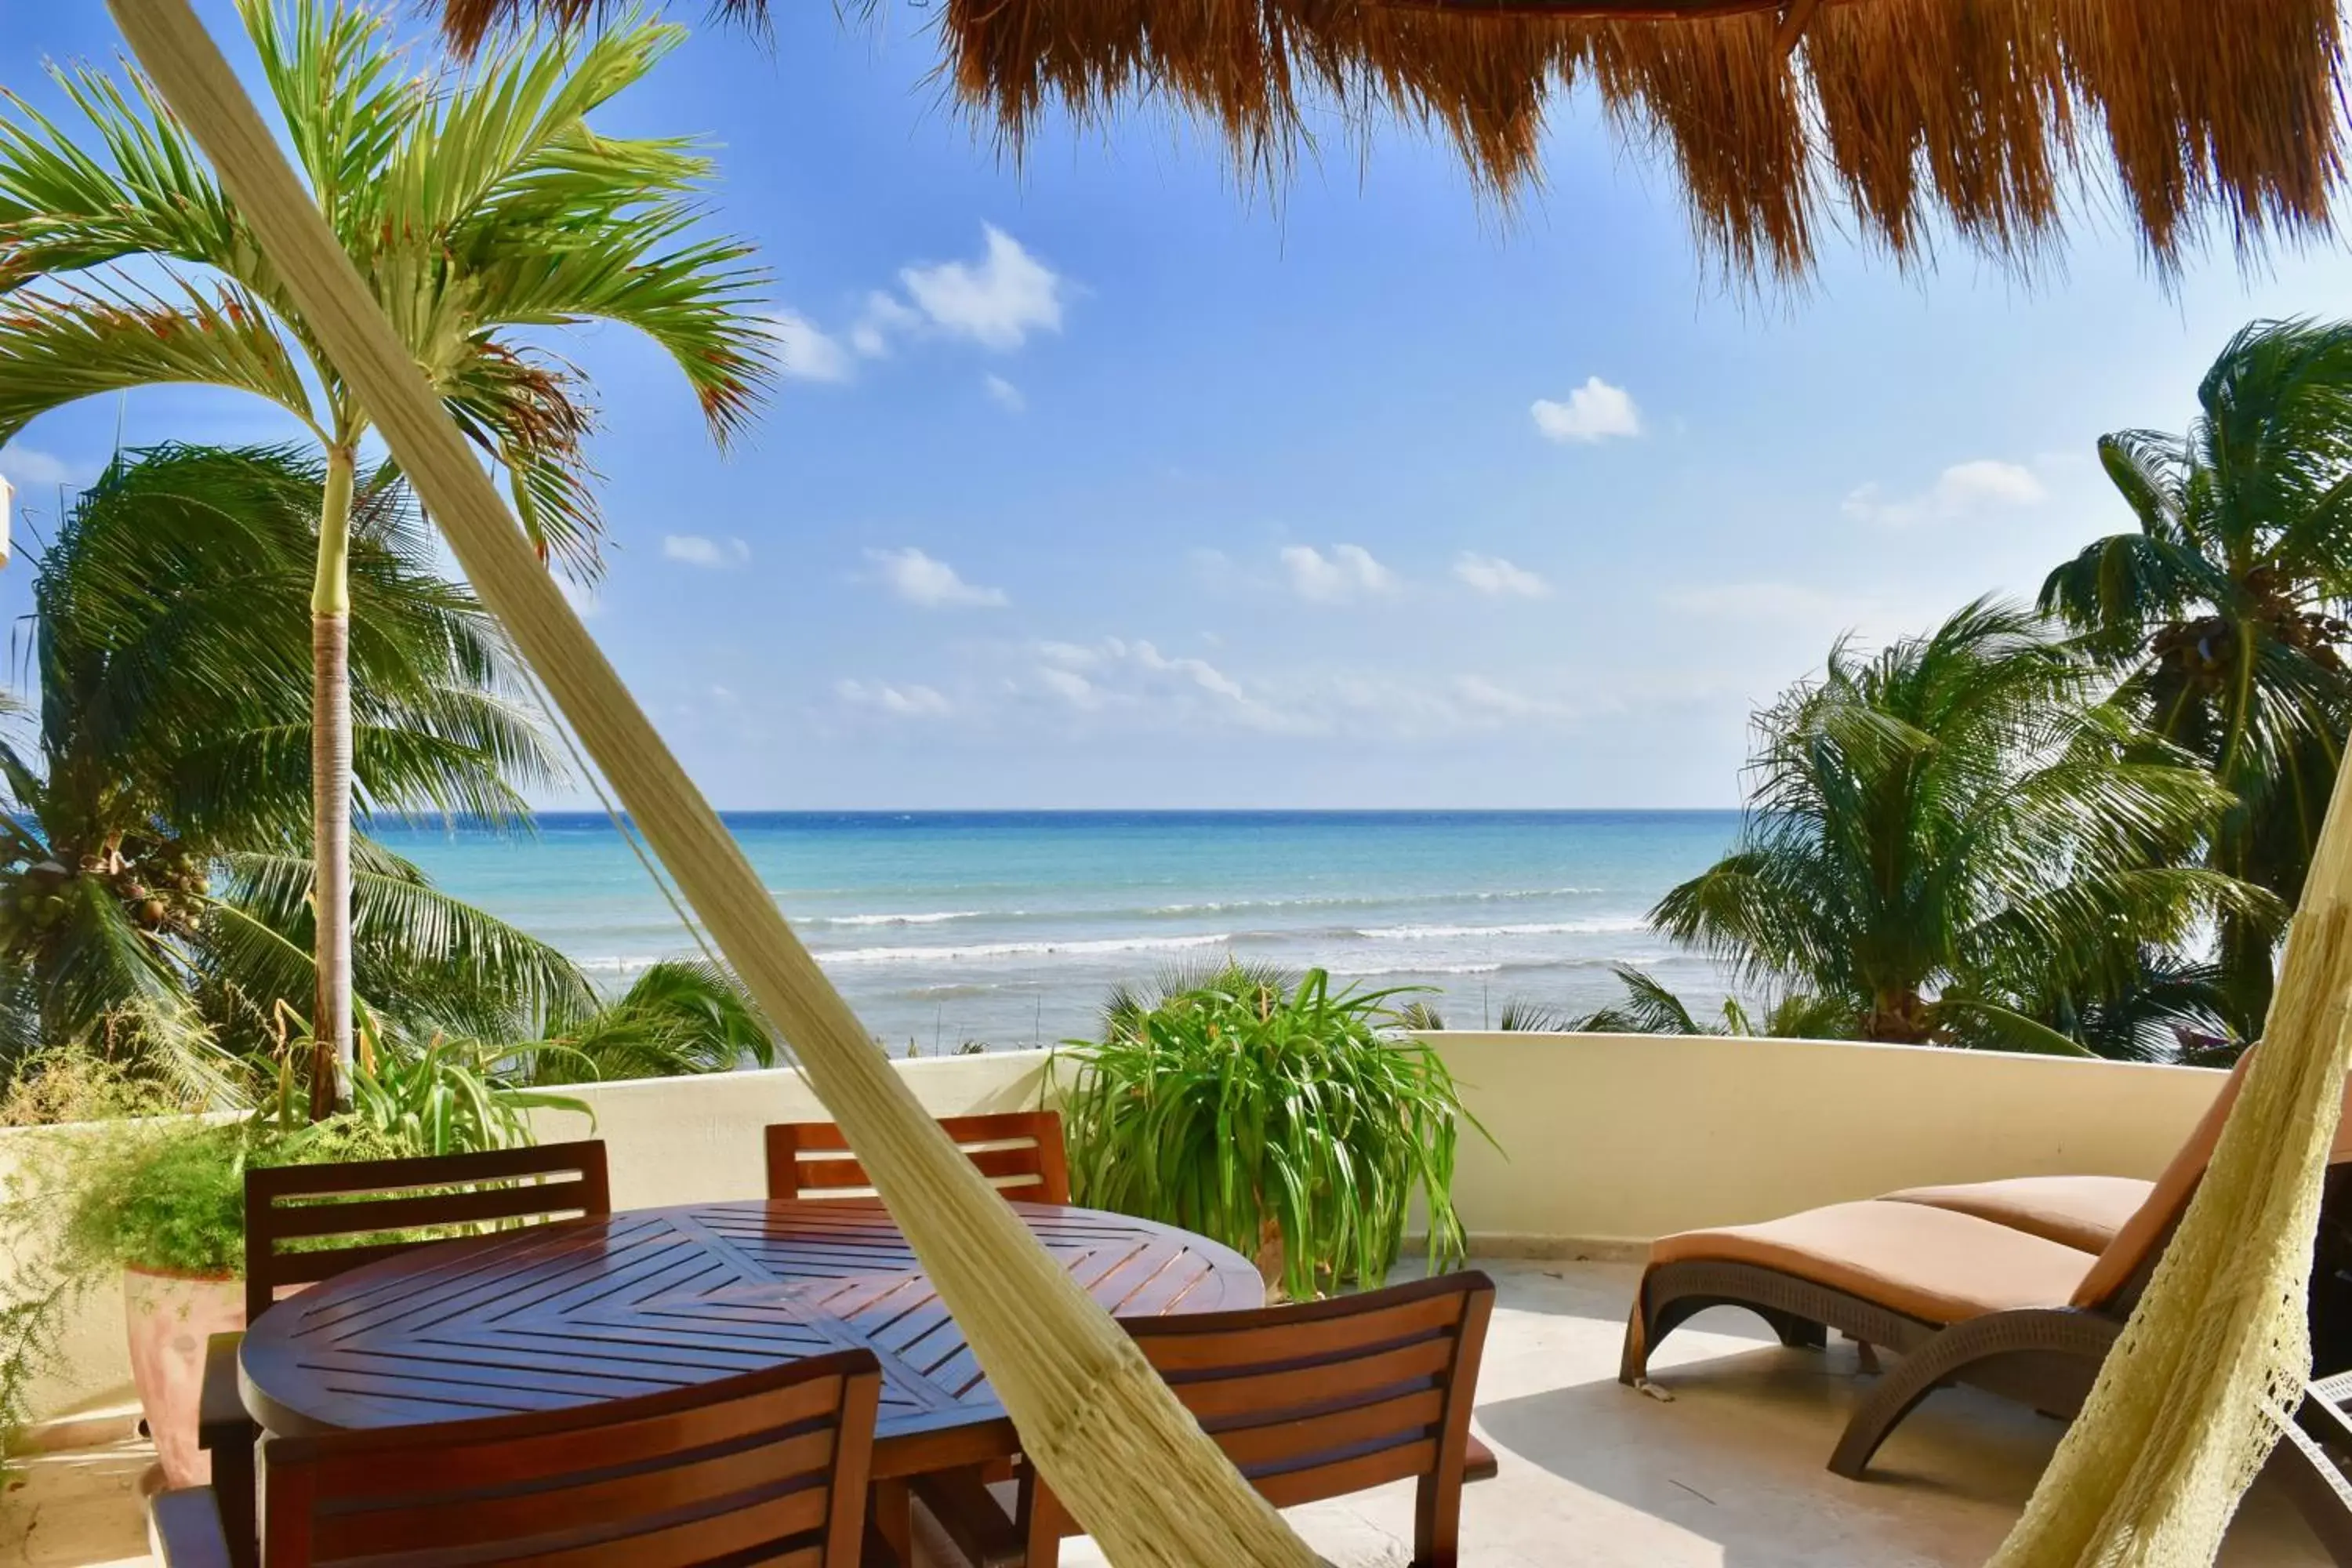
(330, 791)
(2247, 954)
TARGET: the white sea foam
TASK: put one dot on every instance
(1543, 928)
(1362, 901)
(624, 962)
(926, 917)
(988, 950)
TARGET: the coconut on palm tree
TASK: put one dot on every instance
(1958, 841)
(2221, 608)
(477, 206)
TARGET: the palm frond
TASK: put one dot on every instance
(1649, 1008)
(59, 346)
(425, 961)
(678, 1017)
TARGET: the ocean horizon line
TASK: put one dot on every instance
(1096, 814)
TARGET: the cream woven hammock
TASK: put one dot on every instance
(2185, 1411)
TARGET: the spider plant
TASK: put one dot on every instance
(1282, 1118)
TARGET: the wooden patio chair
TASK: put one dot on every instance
(768, 1466)
(1312, 1401)
(1020, 1152)
(308, 1222)
(1959, 1296)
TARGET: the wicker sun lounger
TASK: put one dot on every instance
(1965, 1285)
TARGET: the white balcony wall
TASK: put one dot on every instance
(1601, 1142)
(1606, 1140)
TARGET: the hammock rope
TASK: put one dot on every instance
(620, 819)
(2203, 1380)
(1130, 1461)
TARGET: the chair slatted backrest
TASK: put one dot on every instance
(768, 1466)
(1323, 1399)
(308, 1222)
(1020, 1152)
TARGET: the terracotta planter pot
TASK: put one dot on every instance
(171, 1317)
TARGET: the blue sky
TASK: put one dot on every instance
(1104, 482)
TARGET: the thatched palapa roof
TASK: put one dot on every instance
(1994, 115)
(1982, 111)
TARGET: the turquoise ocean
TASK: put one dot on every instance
(1009, 927)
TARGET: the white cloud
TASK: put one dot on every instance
(902, 701)
(1069, 685)
(885, 315)
(1347, 573)
(26, 467)
(585, 603)
(1498, 578)
(1963, 491)
(1756, 601)
(1593, 412)
(1135, 677)
(696, 549)
(1003, 394)
(1385, 705)
(997, 303)
(1485, 697)
(807, 353)
(1776, 621)
(921, 579)
(1199, 671)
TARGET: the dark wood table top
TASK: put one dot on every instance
(567, 1313)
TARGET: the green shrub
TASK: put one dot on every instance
(171, 1198)
(1256, 1110)
(168, 1194)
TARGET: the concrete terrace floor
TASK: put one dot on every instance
(1728, 1475)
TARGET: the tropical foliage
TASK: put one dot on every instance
(2221, 612)
(152, 874)
(1272, 1113)
(154, 896)
(1958, 840)
(477, 205)
(1650, 1007)
(166, 1194)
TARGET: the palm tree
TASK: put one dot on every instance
(475, 204)
(155, 816)
(1650, 1007)
(680, 1016)
(1946, 836)
(2220, 610)
(154, 887)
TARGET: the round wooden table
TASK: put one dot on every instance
(578, 1311)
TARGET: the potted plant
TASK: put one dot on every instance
(158, 1205)
(1279, 1116)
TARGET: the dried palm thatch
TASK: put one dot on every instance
(1994, 115)
(1986, 112)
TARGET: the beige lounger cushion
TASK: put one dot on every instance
(1927, 1263)
(2082, 1212)
(2152, 1223)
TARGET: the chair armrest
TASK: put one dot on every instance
(222, 1419)
(186, 1527)
(973, 1518)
